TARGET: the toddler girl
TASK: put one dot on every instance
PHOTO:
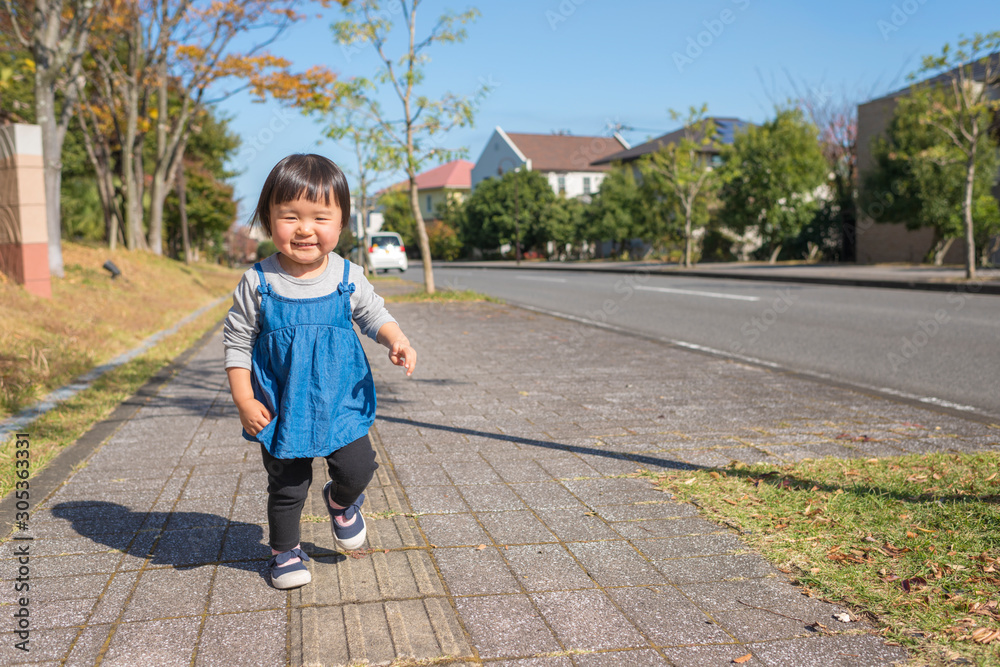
(298, 374)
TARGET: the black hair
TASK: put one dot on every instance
(312, 177)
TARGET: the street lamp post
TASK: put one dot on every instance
(517, 204)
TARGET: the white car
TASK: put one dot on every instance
(387, 252)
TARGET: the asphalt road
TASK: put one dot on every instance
(938, 347)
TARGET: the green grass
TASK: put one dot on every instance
(440, 296)
(910, 542)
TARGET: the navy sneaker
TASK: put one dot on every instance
(347, 538)
(289, 576)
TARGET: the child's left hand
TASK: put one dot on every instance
(402, 354)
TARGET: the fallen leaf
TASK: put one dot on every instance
(743, 658)
(913, 583)
(480, 547)
(843, 618)
(714, 475)
(690, 481)
(985, 635)
(910, 534)
(992, 476)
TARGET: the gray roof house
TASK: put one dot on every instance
(726, 127)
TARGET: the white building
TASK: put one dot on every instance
(375, 218)
(565, 160)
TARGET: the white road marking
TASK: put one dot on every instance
(714, 295)
(930, 400)
(551, 280)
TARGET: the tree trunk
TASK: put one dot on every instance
(45, 105)
(134, 237)
(159, 188)
(687, 237)
(99, 153)
(422, 240)
(989, 248)
(365, 240)
(970, 239)
(182, 196)
(774, 254)
(941, 249)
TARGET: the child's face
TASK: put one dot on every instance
(305, 232)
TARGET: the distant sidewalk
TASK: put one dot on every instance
(888, 276)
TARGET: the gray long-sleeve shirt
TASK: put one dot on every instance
(242, 324)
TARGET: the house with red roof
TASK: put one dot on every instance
(565, 160)
(448, 182)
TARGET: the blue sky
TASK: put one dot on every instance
(580, 65)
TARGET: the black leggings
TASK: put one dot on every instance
(351, 469)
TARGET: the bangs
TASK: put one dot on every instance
(310, 177)
(310, 182)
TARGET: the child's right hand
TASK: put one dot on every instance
(254, 415)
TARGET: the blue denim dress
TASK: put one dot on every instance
(310, 371)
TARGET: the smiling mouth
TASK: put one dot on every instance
(302, 245)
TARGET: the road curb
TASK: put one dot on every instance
(974, 287)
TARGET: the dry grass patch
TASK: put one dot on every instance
(90, 319)
(62, 426)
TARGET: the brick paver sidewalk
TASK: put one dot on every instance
(501, 526)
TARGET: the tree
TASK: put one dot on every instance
(201, 217)
(919, 176)
(489, 211)
(833, 233)
(443, 234)
(962, 107)
(151, 77)
(837, 121)
(566, 225)
(80, 205)
(116, 113)
(617, 211)
(682, 170)
(398, 215)
(56, 33)
(368, 141)
(422, 117)
(771, 180)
